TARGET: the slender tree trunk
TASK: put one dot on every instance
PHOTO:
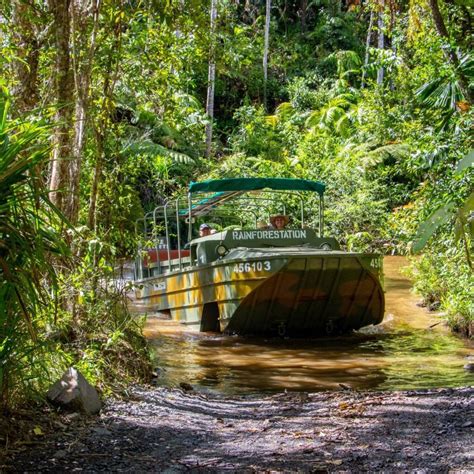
(84, 24)
(304, 9)
(367, 47)
(110, 79)
(381, 38)
(448, 50)
(394, 13)
(268, 8)
(59, 184)
(25, 66)
(211, 80)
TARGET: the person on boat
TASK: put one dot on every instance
(279, 222)
(205, 230)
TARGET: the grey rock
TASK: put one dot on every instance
(74, 392)
(469, 367)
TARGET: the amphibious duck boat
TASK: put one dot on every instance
(245, 279)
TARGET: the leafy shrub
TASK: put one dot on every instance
(445, 281)
(28, 242)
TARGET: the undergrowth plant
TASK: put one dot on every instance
(28, 242)
(98, 331)
(57, 307)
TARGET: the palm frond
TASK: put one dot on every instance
(445, 92)
(313, 119)
(150, 148)
(285, 110)
(272, 120)
(379, 154)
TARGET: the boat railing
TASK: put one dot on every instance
(162, 233)
(162, 246)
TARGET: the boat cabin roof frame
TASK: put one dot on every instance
(224, 189)
(221, 192)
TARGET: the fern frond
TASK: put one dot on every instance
(285, 110)
(150, 148)
(272, 120)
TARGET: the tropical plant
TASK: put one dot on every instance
(28, 242)
(461, 213)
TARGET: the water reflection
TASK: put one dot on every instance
(405, 351)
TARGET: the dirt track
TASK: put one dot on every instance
(164, 430)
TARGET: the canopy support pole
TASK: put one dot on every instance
(167, 236)
(155, 236)
(302, 213)
(321, 215)
(178, 233)
(190, 232)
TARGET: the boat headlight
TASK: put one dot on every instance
(222, 250)
(326, 246)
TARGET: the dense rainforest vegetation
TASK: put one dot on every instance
(108, 107)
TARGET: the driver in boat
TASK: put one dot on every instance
(205, 230)
(279, 222)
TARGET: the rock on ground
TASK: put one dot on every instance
(170, 430)
(73, 391)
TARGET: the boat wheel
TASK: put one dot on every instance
(282, 329)
(330, 327)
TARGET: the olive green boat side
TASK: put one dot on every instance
(314, 295)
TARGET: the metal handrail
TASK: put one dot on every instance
(253, 203)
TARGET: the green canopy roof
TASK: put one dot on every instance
(252, 184)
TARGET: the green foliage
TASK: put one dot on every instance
(462, 214)
(445, 92)
(55, 311)
(446, 283)
(102, 338)
(28, 241)
(391, 155)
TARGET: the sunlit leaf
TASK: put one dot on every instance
(272, 120)
(466, 162)
(428, 228)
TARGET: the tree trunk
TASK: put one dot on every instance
(367, 47)
(103, 124)
(265, 50)
(304, 10)
(25, 66)
(59, 184)
(381, 38)
(448, 50)
(84, 25)
(211, 80)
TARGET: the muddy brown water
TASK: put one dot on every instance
(411, 349)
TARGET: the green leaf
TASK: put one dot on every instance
(427, 229)
(466, 162)
(468, 205)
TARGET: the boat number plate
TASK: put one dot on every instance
(252, 266)
(375, 263)
(159, 286)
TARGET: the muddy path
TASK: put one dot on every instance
(170, 430)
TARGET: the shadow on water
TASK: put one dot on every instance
(408, 350)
